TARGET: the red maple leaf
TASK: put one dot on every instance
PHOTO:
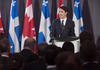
(28, 27)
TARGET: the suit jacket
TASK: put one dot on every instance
(56, 28)
(39, 64)
(5, 63)
(26, 54)
(91, 66)
(79, 56)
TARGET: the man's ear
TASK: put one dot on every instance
(66, 13)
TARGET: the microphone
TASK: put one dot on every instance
(63, 27)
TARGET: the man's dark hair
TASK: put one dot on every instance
(67, 61)
(88, 51)
(85, 35)
(41, 47)
(2, 36)
(4, 45)
(64, 8)
(50, 54)
(30, 42)
(16, 61)
(68, 46)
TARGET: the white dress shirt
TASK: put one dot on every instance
(64, 21)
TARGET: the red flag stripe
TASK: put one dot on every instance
(1, 27)
(60, 3)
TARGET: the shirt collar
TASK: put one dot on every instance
(5, 56)
(90, 62)
(51, 66)
(64, 20)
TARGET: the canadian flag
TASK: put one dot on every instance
(60, 3)
(28, 28)
(1, 27)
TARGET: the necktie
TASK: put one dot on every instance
(62, 24)
(62, 27)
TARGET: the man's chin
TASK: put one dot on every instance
(60, 16)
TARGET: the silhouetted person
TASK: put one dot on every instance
(89, 53)
(5, 51)
(68, 47)
(67, 61)
(39, 64)
(16, 61)
(84, 35)
(29, 47)
(50, 54)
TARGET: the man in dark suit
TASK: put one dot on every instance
(63, 26)
(5, 50)
(39, 64)
(84, 35)
(50, 54)
(67, 61)
(89, 53)
(29, 46)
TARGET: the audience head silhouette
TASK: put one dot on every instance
(40, 49)
(68, 46)
(5, 46)
(85, 35)
(88, 51)
(50, 54)
(30, 44)
(16, 61)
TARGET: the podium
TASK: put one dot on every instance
(59, 41)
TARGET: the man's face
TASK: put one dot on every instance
(62, 14)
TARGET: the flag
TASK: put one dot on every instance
(14, 32)
(45, 25)
(53, 10)
(60, 3)
(28, 28)
(77, 18)
(69, 6)
(1, 27)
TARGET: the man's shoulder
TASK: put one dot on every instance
(70, 20)
(56, 19)
(24, 51)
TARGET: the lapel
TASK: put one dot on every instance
(66, 23)
(59, 24)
